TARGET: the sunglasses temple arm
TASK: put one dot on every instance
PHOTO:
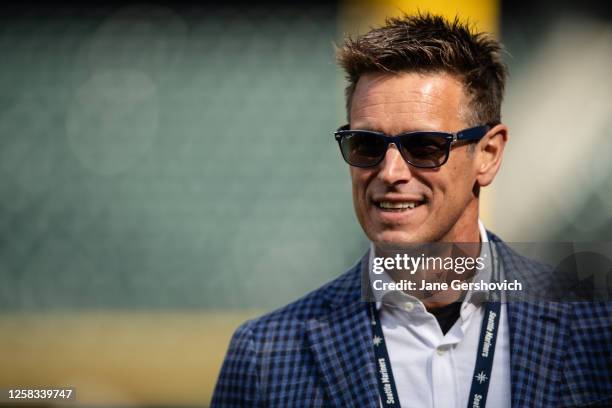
(474, 133)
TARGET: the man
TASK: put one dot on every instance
(424, 135)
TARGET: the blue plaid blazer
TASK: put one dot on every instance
(317, 351)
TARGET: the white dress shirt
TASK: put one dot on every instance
(433, 369)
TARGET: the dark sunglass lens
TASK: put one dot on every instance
(424, 150)
(362, 150)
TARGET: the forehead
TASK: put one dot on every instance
(395, 103)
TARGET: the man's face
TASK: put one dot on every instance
(447, 208)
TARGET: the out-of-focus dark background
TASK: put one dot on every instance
(168, 171)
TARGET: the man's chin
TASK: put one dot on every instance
(394, 238)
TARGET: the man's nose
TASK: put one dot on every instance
(394, 169)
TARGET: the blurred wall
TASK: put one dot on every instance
(167, 172)
(555, 183)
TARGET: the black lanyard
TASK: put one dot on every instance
(482, 370)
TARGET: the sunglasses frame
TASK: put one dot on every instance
(471, 134)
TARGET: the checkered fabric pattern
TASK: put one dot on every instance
(317, 351)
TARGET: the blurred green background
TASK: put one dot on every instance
(153, 158)
(168, 170)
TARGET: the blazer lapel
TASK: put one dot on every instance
(342, 349)
(538, 331)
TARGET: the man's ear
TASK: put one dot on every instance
(489, 152)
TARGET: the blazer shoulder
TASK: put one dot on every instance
(255, 343)
(537, 277)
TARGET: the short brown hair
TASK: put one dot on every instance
(429, 43)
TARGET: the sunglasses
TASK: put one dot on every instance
(365, 148)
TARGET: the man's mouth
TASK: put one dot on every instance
(398, 206)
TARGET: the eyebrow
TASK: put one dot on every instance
(379, 130)
(368, 126)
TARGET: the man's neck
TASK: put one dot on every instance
(469, 246)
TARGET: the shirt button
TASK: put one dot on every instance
(409, 306)
(440, 351)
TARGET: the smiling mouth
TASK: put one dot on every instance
(398, 206)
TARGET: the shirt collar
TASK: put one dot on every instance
(395, 297)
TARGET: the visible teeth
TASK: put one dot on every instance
(397, 206)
